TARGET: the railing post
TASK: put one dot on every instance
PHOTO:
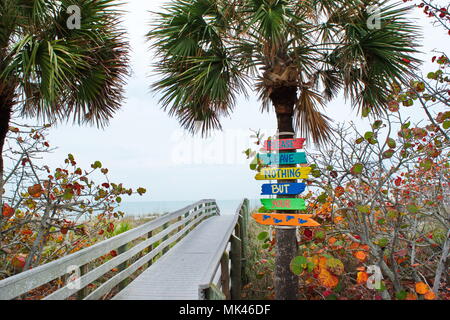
(165, 226)
(84, 291)
(150, 249)
(122, 266)
(225, 275)
(236, 264)
(243, 221)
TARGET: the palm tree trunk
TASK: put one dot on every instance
(6, 104)
(286, 282)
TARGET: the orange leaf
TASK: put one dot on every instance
(411, 296)
(430, 295)
(332, 240)
(7, 211)
(361, 255)
(35, 191)
(422, 288)
(354, 245)
(327, 279)
(362, 277)
(361, 268)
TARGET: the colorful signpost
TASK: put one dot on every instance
(286, 188)
(282, 219)
(282, 188)
(284, 144)
(284, 204)
(283, 173)
(282, 158)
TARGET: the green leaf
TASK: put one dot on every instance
(412, 208)
(383, 242)
(377, 124)
(391, 143)
(96, 165)
(141, 191)
(368, 135)
(446, 124)
(322, 198)
(388, 154)
(298, 265)
(426, 164)
(357, 169)
(363, 209)
(401, 295)
(263, 236)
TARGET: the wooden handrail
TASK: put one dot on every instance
(190, 216)
(236, 231)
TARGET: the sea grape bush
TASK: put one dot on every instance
(47, 213)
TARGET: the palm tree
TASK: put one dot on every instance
(55, 72)
(297, 54)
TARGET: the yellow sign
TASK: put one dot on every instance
(283, 173)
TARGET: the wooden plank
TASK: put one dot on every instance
(212, 268)
(282, 158)
(236, 275)
(284, 204)
(177, 274)
(26, 281)
(123, 265)
(213, 293)
(284, 144)
(225, 275)
(111, 283)
(283, 188)
(84, 291)
(282, 219)
(283, 173)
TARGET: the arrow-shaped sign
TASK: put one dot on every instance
(283, 173)
(284, 144)
(284, 204)
(280, 219)
(282, 188)
(282, 158)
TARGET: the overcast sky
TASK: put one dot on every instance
(144, 147)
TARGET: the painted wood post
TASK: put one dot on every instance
(213, 293)
(150, 249)
(236, 281)
(165, 226)
(225, 275)
(243, 235)
(84, 291)
(122, 266)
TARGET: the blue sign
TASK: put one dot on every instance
(283, 158)
(282, 188)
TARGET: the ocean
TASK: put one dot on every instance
(142, 208)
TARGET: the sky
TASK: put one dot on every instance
(144, 147)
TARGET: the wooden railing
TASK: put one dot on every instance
(223, 281)
(137, 249)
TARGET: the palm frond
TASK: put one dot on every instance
(309, 120)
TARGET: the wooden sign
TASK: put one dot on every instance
(282, 158)
(284, 144)
(280, 219)
(283, 173)
(284, 204)
(282, 188)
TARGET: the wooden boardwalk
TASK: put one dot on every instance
(201, 249)
(179, 273)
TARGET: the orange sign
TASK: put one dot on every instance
(282, 219)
